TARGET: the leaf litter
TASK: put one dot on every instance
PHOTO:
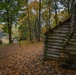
(28, 60)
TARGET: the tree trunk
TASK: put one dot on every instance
(49, 13)
(9, 22)
(36, 25)
(35, 30)
(9, 32)
(39, 26)
(68, 7)
(56, 17)
(30, 36)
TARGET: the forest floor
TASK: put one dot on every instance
(27, 60)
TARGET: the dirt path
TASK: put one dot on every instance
(27, 60)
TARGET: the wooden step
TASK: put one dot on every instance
(73, 40)
(54, 47)
(65, 25)
(52, 55)
(55, 37)
(53, 44)
(55, 41)
(63, 32)
(51, 39)
(55, 34)
(52, 58)
(63, 28)
(73, 53)
(52, 52)
(56, 44)
(51, 49)
(70, 48)
(72, 43)
(74, 35)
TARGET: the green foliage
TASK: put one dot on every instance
(23, 31)
(5, 29)
(17, 11)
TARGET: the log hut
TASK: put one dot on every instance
(60, 42)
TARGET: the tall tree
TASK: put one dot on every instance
(49, 11)
(39, 26)
(35, 6)
(56, 7)
(9, 13)
(45, 17)
(30, 34)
